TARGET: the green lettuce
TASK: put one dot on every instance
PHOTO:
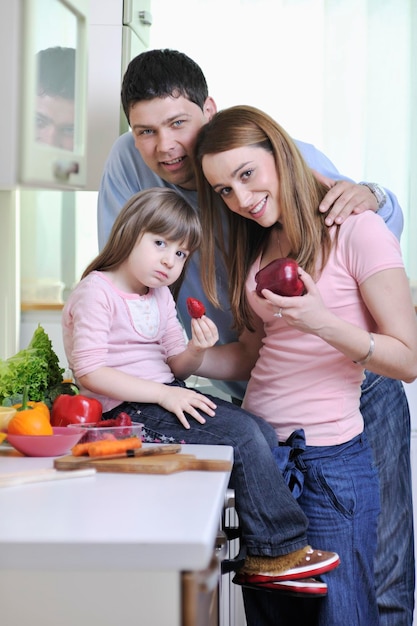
(35, 367)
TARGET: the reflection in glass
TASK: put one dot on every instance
(55, 100)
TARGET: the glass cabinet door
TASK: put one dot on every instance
(54, 93)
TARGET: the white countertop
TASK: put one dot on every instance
(112, 521)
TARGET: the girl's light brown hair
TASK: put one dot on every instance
(299, 197)
(158, 210)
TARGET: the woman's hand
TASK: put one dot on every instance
(180, 400)
(307, 313)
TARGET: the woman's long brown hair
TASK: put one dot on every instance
(241, 240)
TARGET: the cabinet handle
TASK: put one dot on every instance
(145, 18)
(220, 547)
(63, 169)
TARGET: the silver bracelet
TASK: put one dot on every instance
(370, 351)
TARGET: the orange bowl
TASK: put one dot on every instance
(58, 444)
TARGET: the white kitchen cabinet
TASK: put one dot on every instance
(118, 31)
(104, 81)
(137, 20)
(111, 45)
(37, 148)
(106, 34)
(137, 16)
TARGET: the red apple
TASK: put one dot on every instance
(281, 277)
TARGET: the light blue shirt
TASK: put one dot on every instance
(125, 174)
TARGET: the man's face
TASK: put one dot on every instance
(165, 131)
(55, 121)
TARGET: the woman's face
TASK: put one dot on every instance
(246, 179)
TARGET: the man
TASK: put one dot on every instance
(55, 97)
(166, 101)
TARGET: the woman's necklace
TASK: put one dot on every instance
(273, 246)
(279, 246)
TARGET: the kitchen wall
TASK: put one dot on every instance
(338, 75)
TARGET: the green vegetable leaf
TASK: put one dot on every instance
(36, 367)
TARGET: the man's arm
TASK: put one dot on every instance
(345, 198)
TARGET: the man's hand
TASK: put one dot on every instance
(344, 198)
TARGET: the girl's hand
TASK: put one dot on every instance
(204, 333)
(180, 400)
(204, 336)
(307, 313)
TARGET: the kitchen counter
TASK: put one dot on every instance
(135, 532)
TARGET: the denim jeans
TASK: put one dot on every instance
(386, 414)
(272, 522)
(341, 500)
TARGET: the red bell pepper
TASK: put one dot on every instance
(75, 409)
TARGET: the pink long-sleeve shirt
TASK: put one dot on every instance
(103, 326)
(300, 381)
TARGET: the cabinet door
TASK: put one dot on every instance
(53, 93)
(137, 15)
(132, 45)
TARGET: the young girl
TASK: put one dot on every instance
(305, 355)
(126, 347)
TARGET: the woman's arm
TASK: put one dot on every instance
(233, 361)
(387, 296)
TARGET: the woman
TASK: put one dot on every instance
(305, 354)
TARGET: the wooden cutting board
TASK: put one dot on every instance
(156, 464)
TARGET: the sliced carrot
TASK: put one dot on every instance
(106, 447)
(80, 449)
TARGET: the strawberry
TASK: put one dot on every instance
(195, 308)
(107, 423)
(123, 419)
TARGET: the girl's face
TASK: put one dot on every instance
(155, 261)
(246, 178)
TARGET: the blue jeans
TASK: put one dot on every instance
(272, 522)
(386, 414)
(341, 500)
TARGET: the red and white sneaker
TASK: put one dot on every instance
(303, 587)
(311, 563)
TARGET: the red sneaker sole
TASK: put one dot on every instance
(301, 588)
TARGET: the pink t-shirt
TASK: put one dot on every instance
(300, 381)
(103, 326)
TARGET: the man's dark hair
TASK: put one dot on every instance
(160, 74)
(56, 72)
